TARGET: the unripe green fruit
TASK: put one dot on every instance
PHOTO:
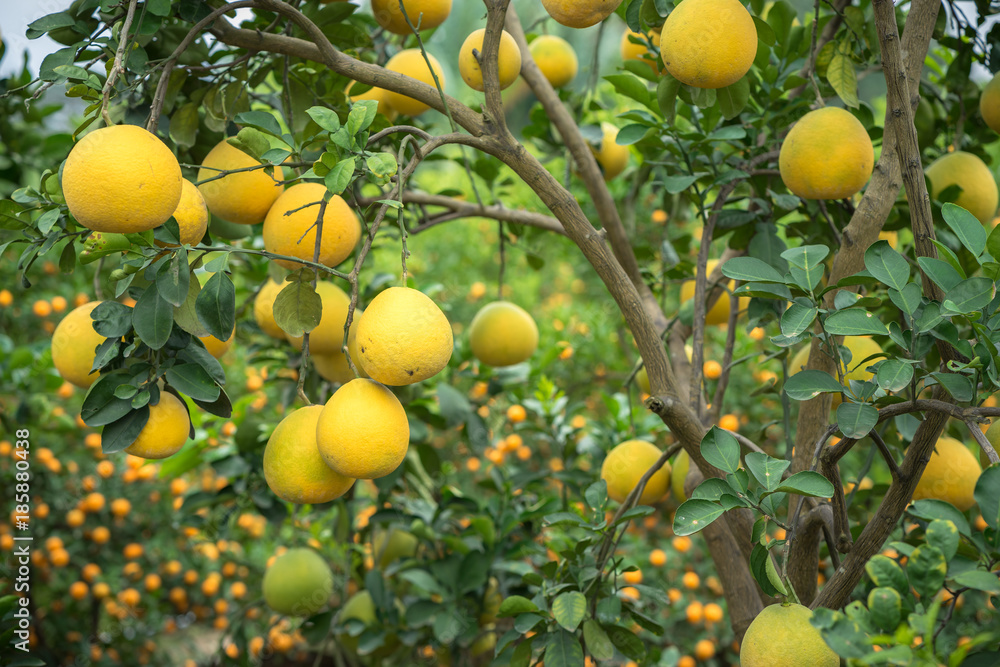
(298, 583)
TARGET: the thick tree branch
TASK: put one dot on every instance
(804, 545)
(588, 168)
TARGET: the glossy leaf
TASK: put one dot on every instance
(693, 515)
(926, 570)
(854, 322)
(152, 318)
(856, 420)
(887, 265)
(569, 609)
(967, 228)
(809, 384)
(894, 375)
(721, 449)
(751, 269)
(767, 470)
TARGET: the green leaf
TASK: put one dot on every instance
(340, 176)
(325, 118)
(680, 183)
(967, 228)
(979, 580)
(666, 97)
(382, 165)
(766, 469)
(930, 509)
(49, 22)
(361, 116)
(887, 265)
(906, 299)
(970, 295)
(564, 650)
(751, 269)
(886, 607)
(987, 495)
(194, 381)
(809, 384)
(626, 642)
(173, 279)
(854, 322)
(634, 88)
(693, 515)
(112, 319)
(298, 308)
(943, 534)
(721, 450)
(884, 571)
(101, 406)
(184, 125)
(598, 643)
(158, 7)
(772, 575)
(856, 420)
(958, 385)
(122, 432)
(941, 273)
(631, 134)
(596, 495)
(797, 318)
(569, 609)
(260, 120)
(216, 306)
(515, 605)
(894, 375)
(186, 315)
(841, 75)
(926, 570)
(759, 558)
(733, 98)
(807, 483)
(152, 318)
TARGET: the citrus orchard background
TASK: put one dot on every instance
(480, 510)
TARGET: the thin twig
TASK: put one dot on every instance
(117, 68)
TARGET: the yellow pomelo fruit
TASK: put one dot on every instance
(508, 60)
(826, 155)
(625, 465)
(166, 431)
(782, 636)
(294, 234)
(298, 583)
(989, 103)
(556, 59)
(423, 14)
(392, 545)
(719, 314)
(293, 467)
(979, 189)
(708, 43)
(892, 238)
(503, 334)
(403, 337)
(191, 216)
(74, 346)
(328, 336)
(580, 13)
(411, 63)
(333, 366)
(244, 197)
(263, 309)
(363, 432)
(612, 157)
(217, 347)
(642, 379)
(950, 475)
(678, 476)
(121, 179)
(633, 51)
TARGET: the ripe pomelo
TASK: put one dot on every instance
(950, 475)
(719, 314)
(782, 636)
(263, 309)
(411, 63)
(290, 227)
(508, 60)
(826, 155)
(363, 431)
(293, 467)
(625, 465)
(165, 432)
(556, 59)
(244, 197)
(121, 179)
(74, 346)
(708, 43)
(979, 193)
(423, 14)
(403, 337)
(580, 13)
(612, 157)
(503, 334)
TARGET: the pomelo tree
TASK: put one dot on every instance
(759, 136)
